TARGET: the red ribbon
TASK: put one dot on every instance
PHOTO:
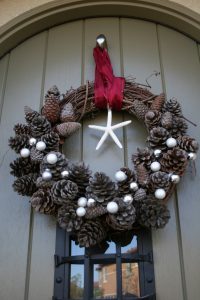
(108, 89)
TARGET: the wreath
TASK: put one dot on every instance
(93, 207)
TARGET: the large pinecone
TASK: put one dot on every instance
(101, 188)
(167, 120)
(67, 217)
(23, 166)
(139, 109)
(140, 195)
(40, 126)
(63, 191)
(56, 168)
(124, 186)
(179, 127)
(188, 144)
(159, 180)
(51, 109)
(67, 113)
(80, 174)
(42, 202)
(96, 211)
(30, 114)
(152, 118)
(43, 184)
(157, 138)
(91, 233)
(174, 107)
(153, 214)
(25, 185)
(18, 142)
(158, 102)
(142, 175)
(22, 129)
(174, 161)
(143, 156)
(52, 141)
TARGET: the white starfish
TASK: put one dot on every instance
(108, 130)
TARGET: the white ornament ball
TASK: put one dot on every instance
(155, 166)
(134, 186)
(91, 202)
(192, 156)
(32, 141)
(175, 178)
(25, 152)
(120, 176)
(41, 146)
(160, 194)
(65, 174)
(128, 199)
(52, 158)
(157, 152)
(82, 202)
(112, 207)
(80, 211)
(46, 175)
(171, 142)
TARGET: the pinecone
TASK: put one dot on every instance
(42, 202)
(158, 102)
(52, 141)
(124, 186)
(30, 114)
(80, 174)
(157, 138)
(140, 195)
(68, 219)
(67, 113)
(25, 185)
(23, 166)
(91, 233)
(159, 180)
(152, 118)
(167, 120)
(174, 161)
(67, 129)
(179, 127)
(101, 188)
(53, 92)
(96, 211)
(51, 109)
(153, 214)
(143, 156)
(22, 129)
(63, 191)
(139, 109)
(40, 126)
(43, 184)
(142, 175)
(18, 142)
(188, 144)
(174, 107)
(36, 155)
(56, 168)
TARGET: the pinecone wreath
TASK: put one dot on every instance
(92, 206)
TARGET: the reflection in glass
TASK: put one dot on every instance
(104, 286)
(130, 280)
(76, 250)
(76, 282)
(131, 246)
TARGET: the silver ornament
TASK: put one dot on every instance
(112, 207)
(155, 166)
(160, 194)
(82, 202)
(52, 158)
(192, 156)
(171, 142)
(41, 146)
(32, 141)
(175, 178)
(128, 199)
(120, 176)
(80, 211)
(91, 202)
(134, 186)
(157, 152)
(25, 152)
(65, 174)
(46, 175)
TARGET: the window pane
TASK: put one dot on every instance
(104, 286)
(76, 250)
(111, 248)
(76, 282)
(132, 247)
(130, 280)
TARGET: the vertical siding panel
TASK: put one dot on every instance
(141, 58)
(3, 74)
(22, 88)
(63, 68)
(182, 73)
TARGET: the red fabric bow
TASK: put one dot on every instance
(108, 89)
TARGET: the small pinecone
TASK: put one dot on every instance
(64, 191)
(51, 109)
(179, 127)
(188, 144)
(67, 129)
(139, 109)
(68, 219)
(124, 186)
(40, 126)
(91, 233)
(101, 188)
(42, 202)
(158, 102)
(23, 166)
(53, 92)
(80, 174)
(159, 180)
(56, 168)
(36, 155)
(67, 113)
(52, 141)
(142, 175)
(43, 184)
(167, 120)
(22, 129)
(94, 212)
(25, 185)
(174, 161)
(152, 118)
(153, 214)
(30, 114)
(157, 138)
(143, 156)
(18, 142)
(174, 107)
(140, 195)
